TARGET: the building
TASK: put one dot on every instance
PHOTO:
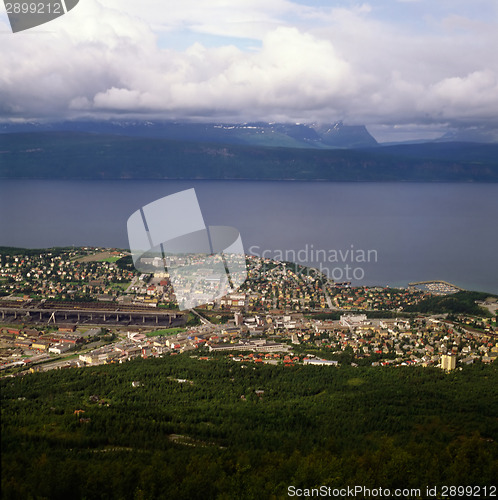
(352, 321)
(98, 356)
(41, 345)
(233, 300)
(67, 328)
(239, 318)
(26, 344)
(251, 345)
(231, 330)
(448, 362)
(71, 339)
(320, 362)
(93, 332)
(59, 348)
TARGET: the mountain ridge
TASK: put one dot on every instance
(298, 135)
(75, 155)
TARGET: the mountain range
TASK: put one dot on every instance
(292, 135)
(83, 155)
(315, 136)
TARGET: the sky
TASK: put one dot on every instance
(407, 69)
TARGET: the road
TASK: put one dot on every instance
(204, 321)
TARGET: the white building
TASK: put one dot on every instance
(318, 361)
(352, 321)
(59, 348)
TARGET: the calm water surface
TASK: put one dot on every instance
(414, 232)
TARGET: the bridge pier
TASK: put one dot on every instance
(96, 316)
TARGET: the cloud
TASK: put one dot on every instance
(473, 97)
(313, 64)
(293, 71)
(240, 19)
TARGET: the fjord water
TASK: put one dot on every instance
(387, 233)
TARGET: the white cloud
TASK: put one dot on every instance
(242, 18)
(291, 64)
(313, 64)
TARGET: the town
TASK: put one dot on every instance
(78, 307)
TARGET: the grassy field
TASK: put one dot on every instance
(110, 259)
(121, 286)
(99, 257)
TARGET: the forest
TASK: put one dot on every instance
(183, 427)
(463, 302)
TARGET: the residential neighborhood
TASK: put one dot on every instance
(81, 307)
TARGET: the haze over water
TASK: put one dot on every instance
(414, 232)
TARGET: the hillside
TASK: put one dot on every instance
(71, 155)
(186, 432)
(463, 302)
(290, 135)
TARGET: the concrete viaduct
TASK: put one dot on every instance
(91, 317)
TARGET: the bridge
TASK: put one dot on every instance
(90, 315)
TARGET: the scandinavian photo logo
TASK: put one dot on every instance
(202, 263)
(25, 14)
